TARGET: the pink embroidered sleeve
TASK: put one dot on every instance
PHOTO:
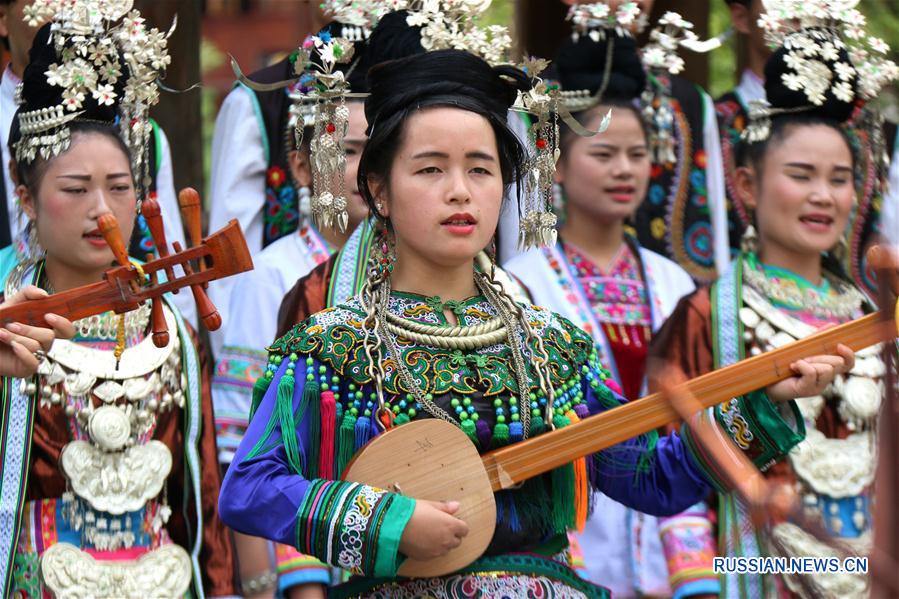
(295, 568)
(689, 543)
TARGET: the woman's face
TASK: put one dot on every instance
(91, 178)
(605, 177)
(445, 187)
(354, 142)
(805, 193)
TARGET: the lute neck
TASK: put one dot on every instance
(511, 465)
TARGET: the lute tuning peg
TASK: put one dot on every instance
(189, 202)
(159, 326)
(109, 228)
(153, 216)
(206, 310)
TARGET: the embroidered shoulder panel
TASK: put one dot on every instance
(334, 337)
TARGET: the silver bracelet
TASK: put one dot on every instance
(259, 583)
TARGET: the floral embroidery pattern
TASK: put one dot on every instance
(280, 216)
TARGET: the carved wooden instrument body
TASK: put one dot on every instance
(431, 459)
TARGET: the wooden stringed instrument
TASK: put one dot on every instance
(221, 254)
(432, 459)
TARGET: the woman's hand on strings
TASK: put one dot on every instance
(433, 530)
(22, 347)
(813, 375)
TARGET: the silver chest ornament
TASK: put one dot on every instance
(116, 468)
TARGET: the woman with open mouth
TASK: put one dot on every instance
(796, 176)
(432, 337)
(599, 277)
(111, 477)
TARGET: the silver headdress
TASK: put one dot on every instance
(547, 104)
(444, 23)
(814, 34)
(93, 38)
(596, 19)
(326, 88)
(660, 58)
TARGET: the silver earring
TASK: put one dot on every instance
(749, 242)
(304, 202)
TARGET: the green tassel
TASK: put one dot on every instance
(646, 459)
(500, 434)
(259, 388)
(563, 510)
(346, 437)
(532, 503)
(284, 407)
(468, 428)
(312, 401)
(537, 426)
(401, 419)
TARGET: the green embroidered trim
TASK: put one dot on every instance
(391, 522)
(759, 429)
(334, 337)
(352, 526)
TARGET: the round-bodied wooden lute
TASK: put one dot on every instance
(432, 459)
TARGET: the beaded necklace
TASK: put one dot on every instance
(832, 299)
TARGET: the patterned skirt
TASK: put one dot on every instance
(510, 576)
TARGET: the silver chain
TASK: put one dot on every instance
(375, 296)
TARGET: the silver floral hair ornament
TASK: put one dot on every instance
(320, 89)
(596, 20)
(813, 34)
(660, 58)
(444, 24)
(547, 104)
(92, 38)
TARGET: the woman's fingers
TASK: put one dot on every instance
(7, 336)
(28, 359)
(63, 327)
(42, 336)
(29, 292)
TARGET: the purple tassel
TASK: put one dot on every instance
(581, 411)
(482, 430)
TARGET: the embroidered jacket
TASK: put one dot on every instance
(315, 410)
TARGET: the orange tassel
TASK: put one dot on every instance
(581, 485)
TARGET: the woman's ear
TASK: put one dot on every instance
(26, 201)
(378, 188)
(745, 182)
(559, 173)
(300, 169)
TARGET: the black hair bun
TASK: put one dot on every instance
(37, 93)
(393, 38)
(780, 96)
(581, 65)
(435, 78)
